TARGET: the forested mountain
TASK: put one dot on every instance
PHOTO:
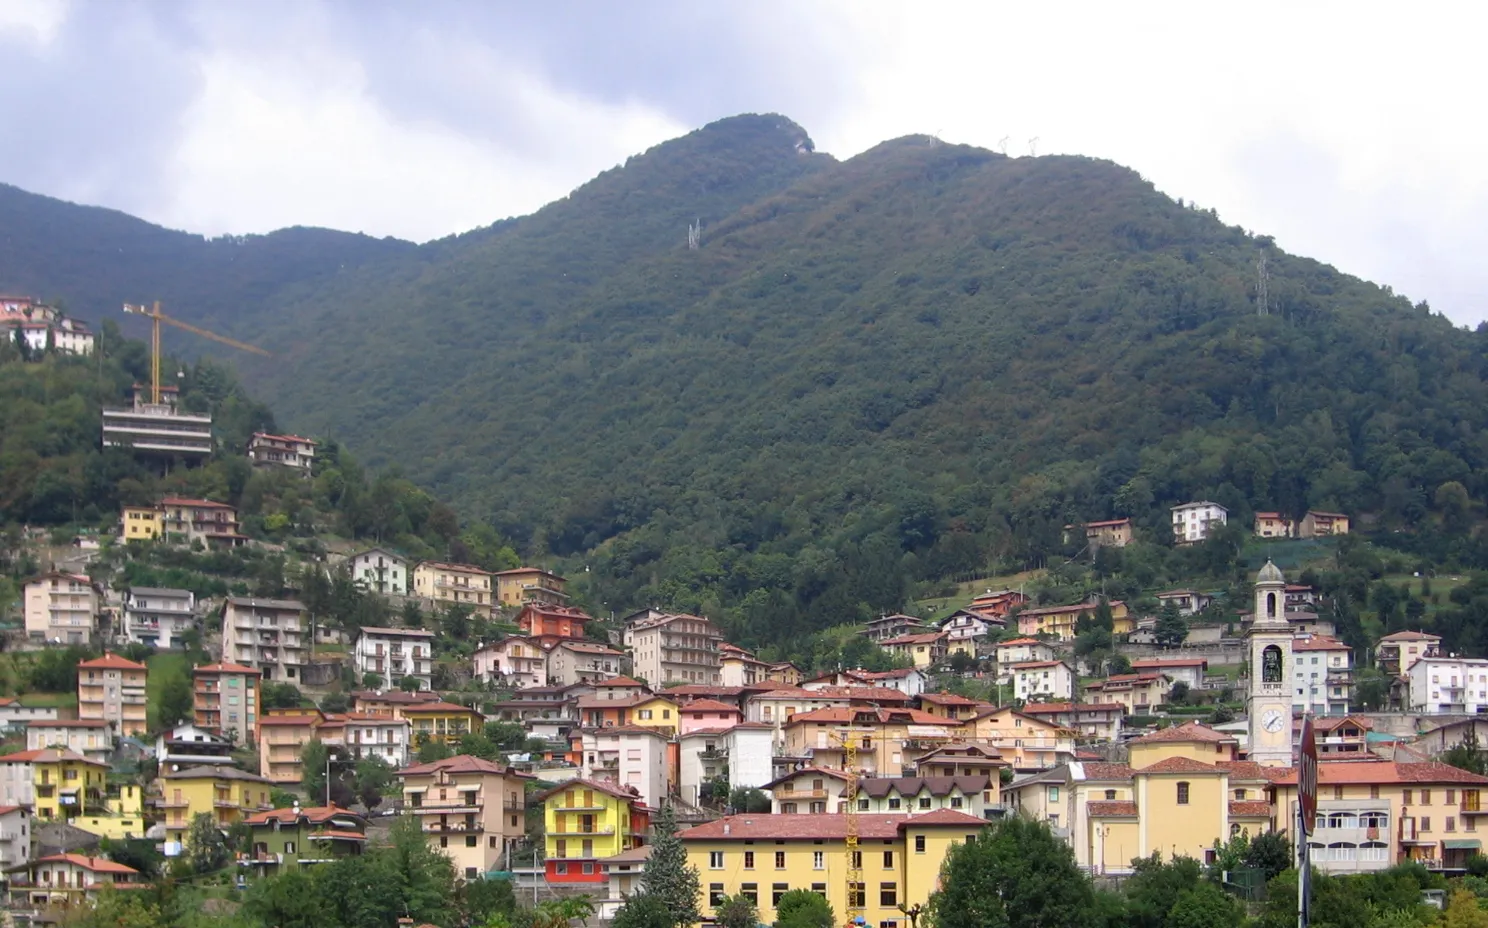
(911, 363)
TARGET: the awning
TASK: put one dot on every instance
(1462, 844)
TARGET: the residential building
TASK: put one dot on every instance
(952, 707)
(895, 626)
(281, 741)
(1186, 670)
(61, 608)
(66, 784)
(297, 837)
(764, 856)
(808, 791)
(573, 661)
(783, 673)
(158, 617)
(1023, 741)
(974, 795)
(775, 707)
(471, 809)
(1448, 684)
(1095, 721)
(740, 753)
(1192, 522)
(1020, 651)
(225, 700)
(68, 880)
(738, 667)
(1274, 525)
(16, 779)
(112, 689)
(709, 714)
(603, 709)
(516, 662)
(667, 648)
(268, 635)
(1396, 653)
(379, 735)
(881, 736)
(529, 585)
(213, 524)
(395, 654)
(962, 759)
(442, 721)
(997, 603)
(15, 715)
(1187, 601)
(140, 523)
(1137, 693)
(968, 632)
(379, 570)
(227, 794)
(455, 584)
(1059, 621)
(390, 702)
(625, 874)
(158, 428)
(550, 624)
(120, 817)
(587, 820)
(1323, 674)
(1316, 524)
(630, 756)
(1043, 681)
(907, 680)
(15, 837)
(88, 737)
(290, 452)
(924, 650)
(1116, 533)
(188, 745)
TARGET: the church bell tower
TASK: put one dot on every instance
(1269, 701)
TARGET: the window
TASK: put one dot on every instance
(1405, 796)
(1183, 794)
(1053, 794)
(857, 896)
(715, 860)
(751, 892)
(444, 841)
(780, 860)
(1338, 792)
(1425, 797)
(924, 802)
(1239, 794)
(956, 802)
(862, 805)
(820, 889)
(589, 869)
(1110, 794)
(1451, 799)
(1374, 792)
(1451, 823)
(749, 860)
(471, 841)
(776, 891)
(818, 860)
(715, 894)
(1425, 823)
(857, 860)
(888, 860)
(919, 844)
(893, 802)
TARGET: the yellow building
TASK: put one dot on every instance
(1137, 693)
(587, 820)
(882, 736)
(765, 856)
(656, 712)
(442, 721)
(281, 738)
(1059, 621)
(141, 523)
(456, 584)
(125, 817)
(112, 689)
(470, 809)
(529, 585)
(67, 784)
(227, 794)
(1024, 741)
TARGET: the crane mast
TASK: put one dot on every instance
(156, 317)
(854, 851)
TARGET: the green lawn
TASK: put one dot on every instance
(57, 700)
(937, 607)
(162, 666)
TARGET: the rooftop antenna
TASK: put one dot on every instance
(1002, 145)
(1033, 147)
(1262, 279)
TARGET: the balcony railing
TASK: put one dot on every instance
(606, 830)
(464, 828)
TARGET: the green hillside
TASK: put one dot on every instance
(901, 367)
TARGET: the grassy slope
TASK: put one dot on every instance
(162, 666)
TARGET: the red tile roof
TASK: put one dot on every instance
(316, 815)
(709, 705)
(949, 699)
(1034, 665)
(1318, 643)
(881, 716)
(460, 763)
(437, 707)
(609, 789)
(1156, 662)
(273, 720)
(1178, 765)
(1411, 636)
(461, 568)
(1064, 610)
(1111, 807)
(620, 681)
(914, 639)
(202, 503)
(339, 835)
(1187, 732)
(1383, 772)
(1250, 808)
(806, 771)
(226, 667)
(95, 864)
(1100, 771)
(1052, 708)
(67, 723)
(826, 827)
(110, 661)
(1018, 641)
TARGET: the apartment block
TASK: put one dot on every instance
(1448, 684)
(267, 635)
(61, 608)
(112, 689)
(213, 524)
(530, 585)
(676, 648)
(395, 654)
(225, 700)
(158, 428)
(379, 570)
(455, 584)
(158, 617)
(1192, 522)
(290, 452)
(471, 810)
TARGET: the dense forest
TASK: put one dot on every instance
(872, 374)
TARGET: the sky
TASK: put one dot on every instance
(1345, 130)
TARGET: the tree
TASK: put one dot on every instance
(1170, 630)
(1205, 906)
(1015, 874)
(139, 853)
(372, 681)
(481, 899)
(1271, 852)
(739, 911)
(1155, 887)
(668, 875)
(749, 799)
(509, 736)
(177, 704)
(314, 761)
(116, 909)
(290, 900)
(280, 696)
(1467, 754)
(1372, 688)
(409, 684)
(432, 750)
(1178, 695)
(802, 908)
(644, 910)
(1464, 911)
(373, 777)
(206, 848)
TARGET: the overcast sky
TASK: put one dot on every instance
(1350, 132)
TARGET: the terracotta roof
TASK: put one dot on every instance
(404, 632)
(1178, 765)
(609, 789)
(703, 689)
(339, 835)
(806, 771)
(948, 699)
(202, 503)
(632, 856)
(1318, 643)
(1188, 731)
(274, 720)
(461, 568)
(50, 756)
(226, 667)
(1250, 770)
(1111, 807)
(1102, 771)
(1053, 708)
(6, 810)
(526, 570)
(315, 815)
(620, 681)
(879, 787)
(213, 772)
(19, 757)
(881, 716)
(394, 696)
(1411, 636)
(708, 705)
(1034, 665)
(624, 702)
(914, 639)
(1250, 808)
(437, 707)
(587, 647)
(1155, 662)
(95, 864)
(460, 763)
(67, 723)
(1106, 522)
(1074, 607)
(808, 827)
(111, 661)
(1122, 679)
(1370, 772)
(1019, 641)
(983, 750)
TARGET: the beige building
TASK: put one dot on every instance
(213, 524)
(288, 451)
(1024, 741)
(269, 635)
(281, 739)
(61, 608)
(88, 737)
(530, 585)
(455, 584)
(471, 810)
(1319, 524)
(112, 689)
(574, 661)
(808, 791)
(225, 700)
(1137, 693)
(673, 648)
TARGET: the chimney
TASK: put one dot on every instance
(727, 828)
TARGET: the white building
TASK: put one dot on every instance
(1322, 675)
(741, 753)
(267, 635)
(16, 785)
(807, 791)
(380, 571)
(1020, 651)
(1042, 681)
(1187, 601)
(88, 737)
(189, 745)
(1449, 684)
(1191, 521)
(516, 662)
(674, 648)
(1186, 670)
(157, 617)
(15, 715)
(396, 653)
(966, 632)
(775, 707)
(907, 680)
(61, 608)
(15, 836)
(288, 451)
(379, 735)
(577, 661)
(628, 755)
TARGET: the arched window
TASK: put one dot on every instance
(1271, 605)
(1271, 664)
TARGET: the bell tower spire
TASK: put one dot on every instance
(1269, 701)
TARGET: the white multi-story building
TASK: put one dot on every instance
(741, 753)
(966, 632)
(517, 662)
(265, 634)
(1044, 681)
(1322, 675)
(158, 617)
(380, 571)
(61, 608)
(630, 756)
(675, 648)
(15, 715)
(574, 661)
(1449, 684)
(379, 735)
(396, 653)
(287, 451)
(88, 737)
(1020, 651)
(1191, 521)
(17, 787)
(15, 836)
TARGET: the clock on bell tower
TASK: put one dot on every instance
(1269, 701)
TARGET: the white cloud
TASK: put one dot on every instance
(38, 20)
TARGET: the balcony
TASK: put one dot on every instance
(464, 828)
(714, 754)
(595, 830)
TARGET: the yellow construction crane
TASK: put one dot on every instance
(855, 888)
(156, 317)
